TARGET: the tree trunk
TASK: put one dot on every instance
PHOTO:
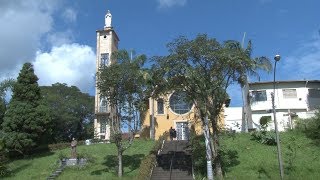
(152, 134)
(208, 150)
(246, 112)
(216, 156)
(120, 169)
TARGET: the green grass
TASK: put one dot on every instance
(103, 167)
(258, 161)
(255, 160)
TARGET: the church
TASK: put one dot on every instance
(171, 110)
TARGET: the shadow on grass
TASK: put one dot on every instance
(263, 173)
(18, 169)
(132, 162)
(229, 159)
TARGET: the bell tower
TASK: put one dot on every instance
(107, 42)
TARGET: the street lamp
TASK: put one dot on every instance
(276, 58)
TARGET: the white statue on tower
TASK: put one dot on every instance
(108, 19)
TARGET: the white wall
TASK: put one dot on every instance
(233, 118)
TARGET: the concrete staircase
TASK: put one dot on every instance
(174, 162)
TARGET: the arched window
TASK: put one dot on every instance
(179, 103)
(160, 107)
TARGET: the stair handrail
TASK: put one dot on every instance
(174, 154)
(159, 150)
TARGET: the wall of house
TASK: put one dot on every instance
(298, 106)
(233, 118)
(300, 102)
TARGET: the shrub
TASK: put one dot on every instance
(264, 137)
(62, 145)
(264, 122)
(310, 126)
(149, 161)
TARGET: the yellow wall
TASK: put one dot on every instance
(168, 119)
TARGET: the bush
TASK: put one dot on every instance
(264, 122)
(310, 126)
(62, 145)
(150, 161)
(147, 163)
(264, 137)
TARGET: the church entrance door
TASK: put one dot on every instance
(182, 130)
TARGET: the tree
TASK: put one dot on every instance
(204, 69)
(123, 84)
(5, 85)
(259, 63)
(71, 110)
(26, 119)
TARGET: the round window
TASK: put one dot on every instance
(179, 103)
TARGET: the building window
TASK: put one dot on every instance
(104, 59)
(289, 93)
(179, 103)
(103, 124)
(160, 106)
(314, 93)
(103, 104)
(259, 95)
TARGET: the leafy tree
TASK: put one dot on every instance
(258, 64)
(5, 85)
(123, 84)
(204, 69)
(71, 110)
(26, 119)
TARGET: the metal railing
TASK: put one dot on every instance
(172, 158)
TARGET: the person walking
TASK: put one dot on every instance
(171, 133)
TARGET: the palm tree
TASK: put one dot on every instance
(258, 64)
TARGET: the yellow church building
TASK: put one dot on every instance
(171, 110)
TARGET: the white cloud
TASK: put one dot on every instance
(305, 62)
(23, 24)
(26, 27)
(60, 38)
(171, 3)
(72, 64)
(69, 15)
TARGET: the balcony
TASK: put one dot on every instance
(103, 111)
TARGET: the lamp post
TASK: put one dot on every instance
(276, 58)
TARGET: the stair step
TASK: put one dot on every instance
(174, 154)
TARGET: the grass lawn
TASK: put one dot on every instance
(103, 167)
(301, 158)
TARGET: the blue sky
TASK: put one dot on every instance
(59, 37)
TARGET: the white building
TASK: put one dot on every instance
(292, 99)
